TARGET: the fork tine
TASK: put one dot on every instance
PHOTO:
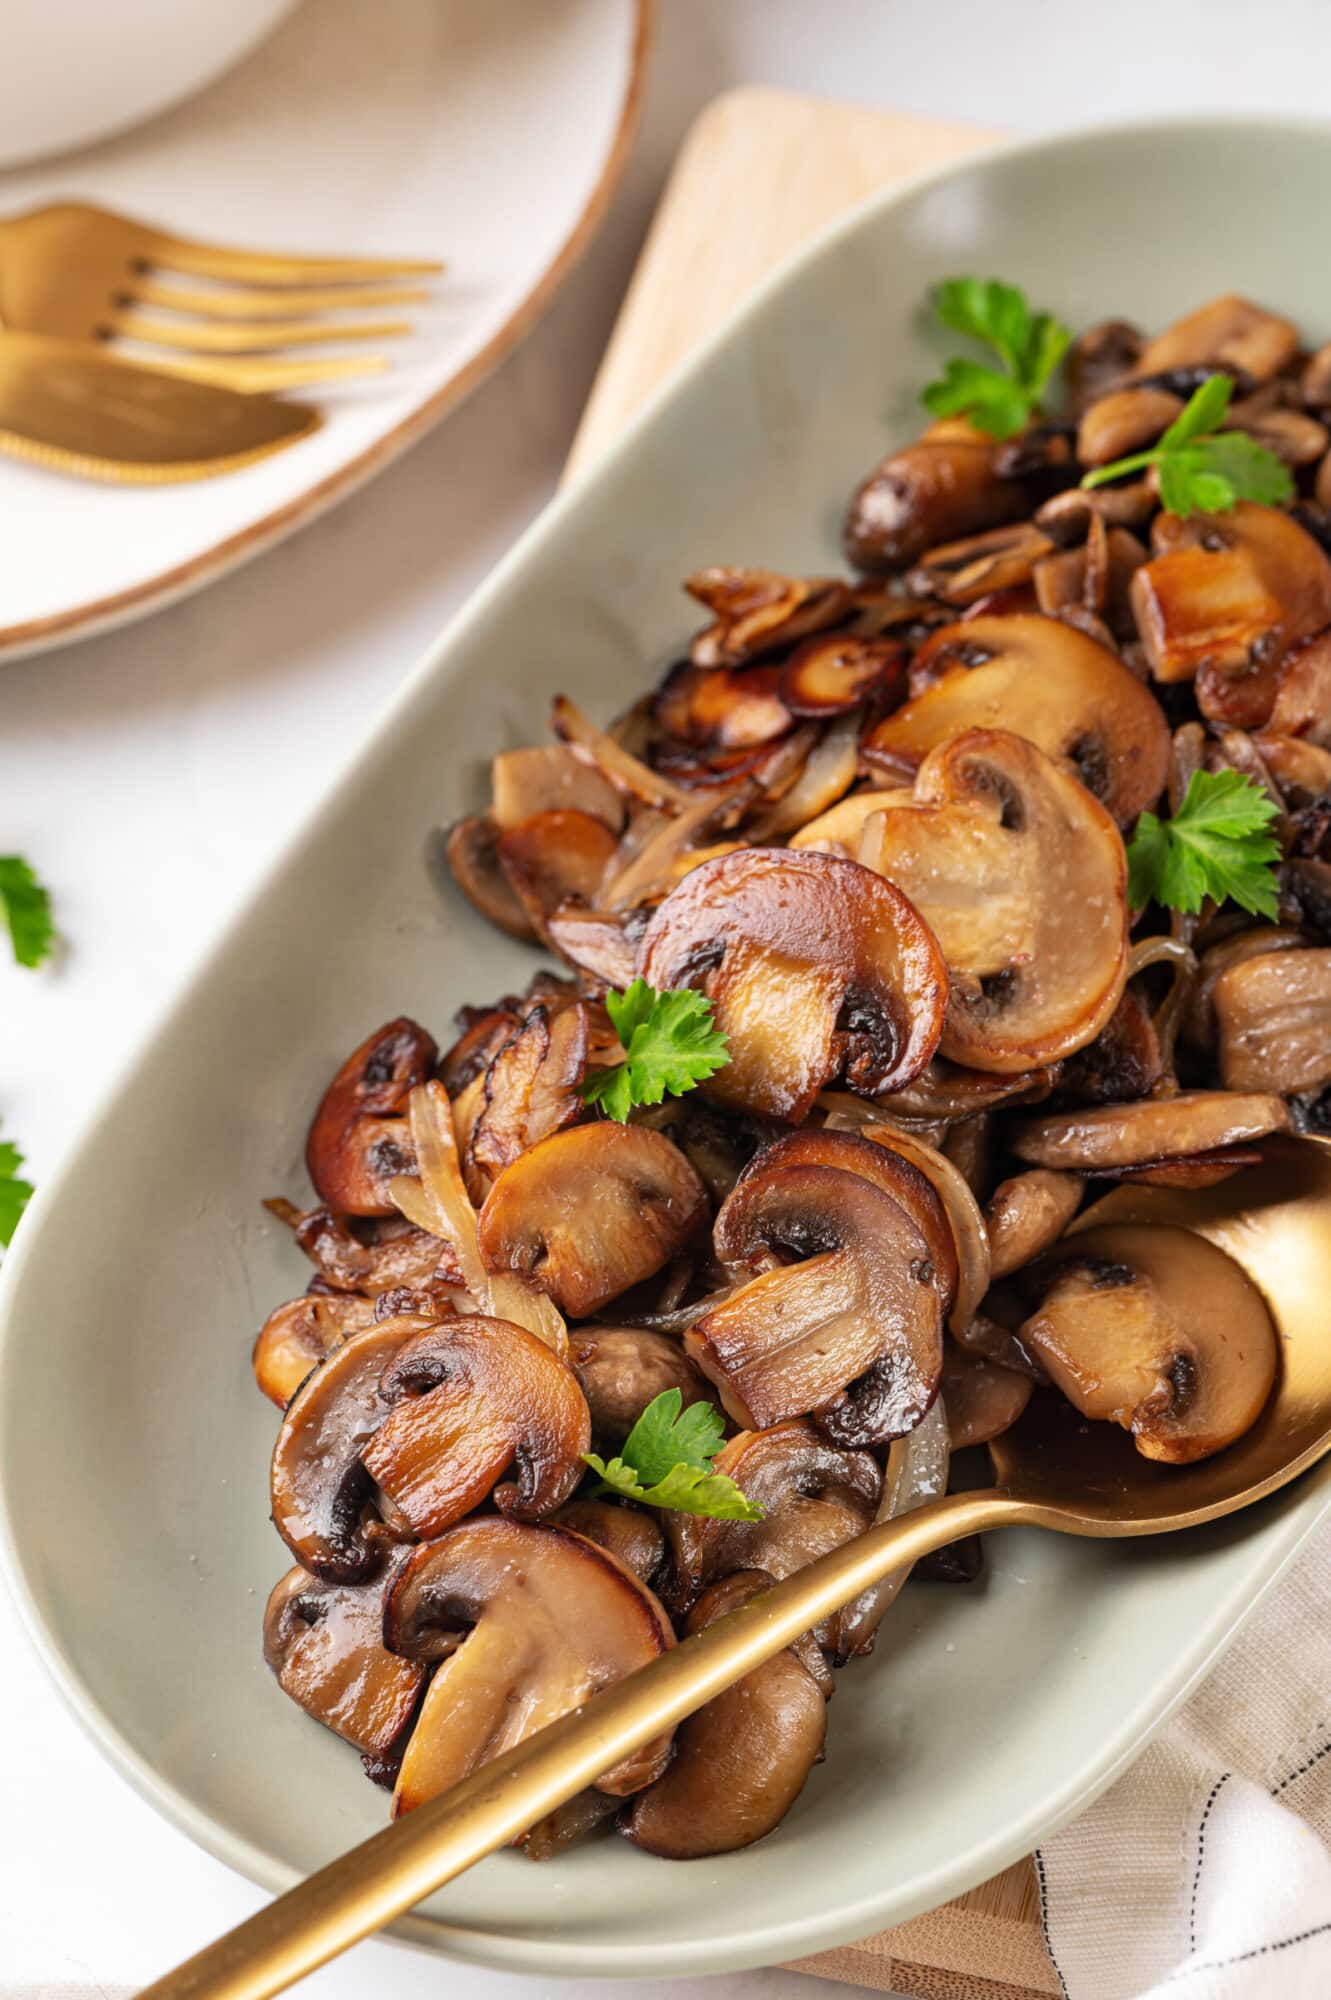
(212, 338)
(270, 302)
(258, 376)
(257, 267)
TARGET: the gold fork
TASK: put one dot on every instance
(90, 274)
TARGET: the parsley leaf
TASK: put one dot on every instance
(1030, 346)
(1204, 470)
(1218, 844)
(667, 1462)
(670, 1044)
(27, 910)
(15, 1193)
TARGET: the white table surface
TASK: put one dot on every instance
(149, 776)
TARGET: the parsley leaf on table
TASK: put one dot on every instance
(670, 1044)
(1030, 346)
(1204, 470)
(27, 910)
(1217, 844)
(15, 1192)
(666, 1461)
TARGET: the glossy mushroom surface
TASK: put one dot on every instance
(359, 1141)
(325, 1644)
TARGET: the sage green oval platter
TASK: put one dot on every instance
(133, 1444)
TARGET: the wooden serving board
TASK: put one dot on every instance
(759, 172)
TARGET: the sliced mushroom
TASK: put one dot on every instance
(297, 1336)
(1155, 1329)
(1048, 683)
(852, 1332)
(473, 857)
(482, 1033)
(590, 1212)
(1273, 1016)
(982, 1398)
(814, 968)
(325, 1643)
(359, 1138)
(1022, 877)
(1027, 1214)
(1300, 770)
(741, 1762)
(965, 1221)
(722, 708)
(840, 829)
(631, 1534)
(549, 1620)
(1124, 421)
(1124, 1061)
(1131, 1135)
(963, 572)
(1231, 592)
(552, 778)
(839, 671)
(601, 943)
(1302, 704)
(1199, 1023)
(1067, 518)
(758, 610)
(556, 858)
(1229, 333)
(944, 486)
(1099, 359)
(531, 1090)
(368, 1254)
(467, 1401)
(946, 1092)
(621, 1369)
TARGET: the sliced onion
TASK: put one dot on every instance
(917, 1469)
(826, 777)
(1158, 951)
(963, 1213)
(683, 1317)
(625, 771)
(653, 864)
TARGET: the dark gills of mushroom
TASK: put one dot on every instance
(741, 1762)
(1273, 1014)
(467, 1401)
(621, 1369)
(1163, 1128)
(815, 968)
(549, 1619)
(359, 1139)
(325, 1643)
(1022, 876)
(945, 485)
(852, 1331)
(1156, 1329)
(591, 1211)
(1043, 680)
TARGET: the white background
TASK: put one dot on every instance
(150, 776)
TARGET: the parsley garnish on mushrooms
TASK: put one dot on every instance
(667, 1462)
(1219, 844)
(670, 1044)
(27, 911)
(1030, 345)
(1203, 469)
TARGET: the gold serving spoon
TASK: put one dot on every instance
(1053, 1470)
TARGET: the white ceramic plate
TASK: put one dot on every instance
(489, 136)
(133, 1445)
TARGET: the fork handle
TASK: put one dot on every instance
(397, 1867)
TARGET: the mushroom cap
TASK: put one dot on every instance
(1153, 1328)
(550, 1619)
(621, 1369)
(324, 1642)
(1028, 1213)
(1273, 1014)
(359, 1139)
(852, 1332)
(741, 1762)
(1154, 1128)
(813, 966)
(591, 1211)
(1221, 583)
(945, 485)
(1023, 878)
(633, 1535)
(466, 1400)
(297, 1336)
(1043, 680)
(554, 858)
(473, 858)
(982, 1398)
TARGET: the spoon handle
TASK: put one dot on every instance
(397, 1867)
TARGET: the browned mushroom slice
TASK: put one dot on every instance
(1229, 333)
(473, 857)
(321, 1493)
(557, 857)
(965, 1221)
(723, 708)
(601, 943)
(483, 1032)
(1155, 1329)
(531, 1090)
(1132, 1135)
(1022, 877)
(631, 1534)
(840, 829)
(1300, 770)
(947, 1092)
(1099, 359)
(945, 485)
(1042, 680)
(982, 1398)
(367, 1254)
(325, 1643)
(552, 778)
(814, 968)
(1027, 1214)
(1231, 591)
(1199, 1022)
(359, 1138)
(839, 671)
(302, 1333)
(852, 1332)
(621, 1369)
(1124, 421)
(757, 610)
(963, 572)
(466, 1401)
(741, 1762)
(1302, 705)
(1188, 1170)
(1273, 1014)
(549, 1620)
(1124, 1061)
(590, 1212)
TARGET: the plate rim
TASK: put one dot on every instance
(1290, 1521)
(155, 593)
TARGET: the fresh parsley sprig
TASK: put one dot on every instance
(670, 1044)
(1030, 346)
(15, 1192)
(666, 1461)
(1217, 844)
(27, 910)
(1203, 469)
